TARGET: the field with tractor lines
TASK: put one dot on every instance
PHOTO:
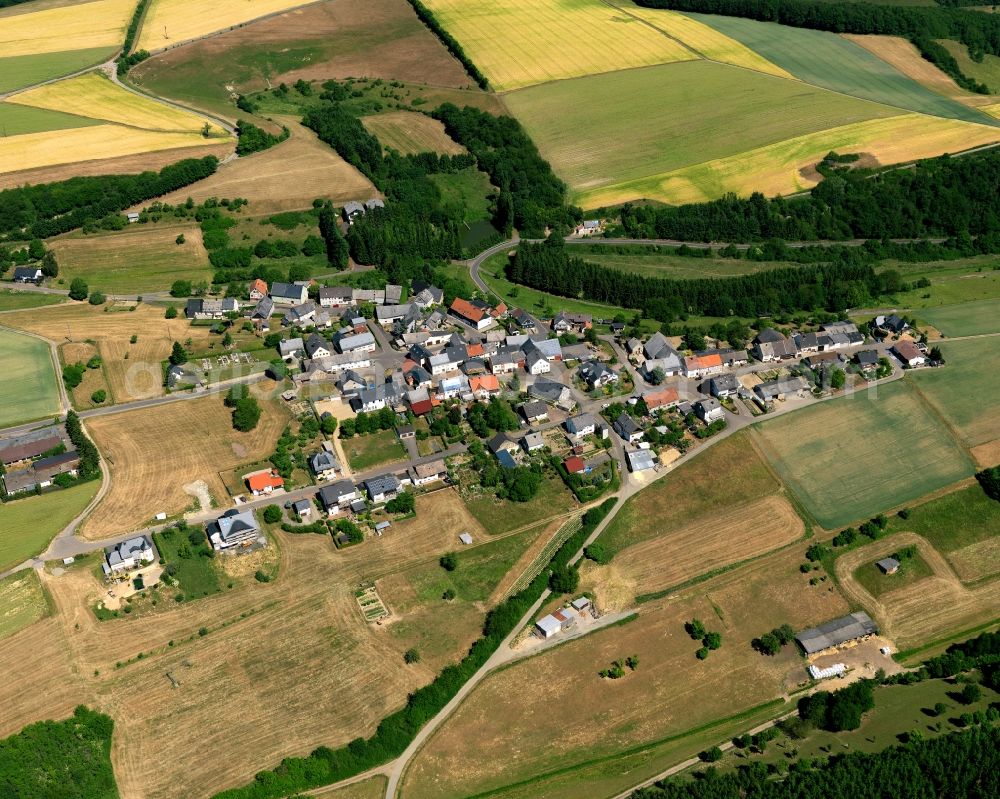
(408, 132)
(83, 26)
(26, 70)
(18, 120)
(28, 389)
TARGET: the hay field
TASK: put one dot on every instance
(719, 539)
(965, 319)
(28, 525)
(152, 453)
(583, 717)
(703, 39)
(348, 38)
(286, 177)
(789, 166)
(51, 148)
(922, 611)
(240, 686)
(28, 389)
(95, 96)
(93, 379)
(832, 62)
(170, 22)
(98, 24)
(520, 43)
(22, 602)
(19, 71)
(850, 458)
(409, 132)
(596, 136)
(140, 376)
(139, 259)
(966, 393)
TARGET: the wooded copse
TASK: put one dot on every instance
(50, 208)
(979, 32)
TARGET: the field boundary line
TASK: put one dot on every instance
(534, 568)
(662, 32)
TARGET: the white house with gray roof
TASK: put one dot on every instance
(233, 528)
(129, 554)
(383, 488)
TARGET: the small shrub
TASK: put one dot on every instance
(449, 562)
(702, 653)
(272, 514)
(203, 631)
(411, 656)
(261, 577)
(449, 594)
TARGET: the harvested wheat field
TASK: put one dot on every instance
(69, 27)
(408, 132)
(585, 717)
(152, 453)
(241, 686)
(288, 176)
(93, 95)
(927, 609)
(124, 165)
(140, 376)
(171, 22)
(719, 539)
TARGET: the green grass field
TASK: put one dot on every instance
(470, 189)
(651, 262)
(27, 525)
(373, 449)
(23, 602)
(16, 120)
(871, 578)
(966, 392)
(196, 575)
(16, 72)
(952, 282)
(966, 319)
(596, 135)
(29, 389)
(953, 521)
(986, 71)
(19, 300)
(827, 60)
(850, 458)
(501, 517)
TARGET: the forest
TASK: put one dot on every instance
(962, 765)
(68, 759)
(833, 287)
(938, 198)
(979, 32)
(51, 208)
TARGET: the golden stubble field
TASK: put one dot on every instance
(929, 608)
(154, 452)
(553, 710)
(301, 669)
(139, 376)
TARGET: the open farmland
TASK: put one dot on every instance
(922, 611)
(985, 71)
(140, 375)
(17, 120)
(95, 96)
(964, 280)
(853, 457)
(966, 393)
(153, 453)
(597, 137)
(80, 26)
(22, 602)
(17, 300)
(585, 719)
(239, 685)
(29, 389)
(523, 42)
(347, 38)
(171, 22)
(654, 262)
(28, 525)
(286, 177)
(141, 258)
(833, 62)
(966, 319)
(19, 71)
(408, 132)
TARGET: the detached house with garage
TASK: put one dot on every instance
(130, 554)
(233, 528)
(324, 465)
(338, 496)
(383, 488)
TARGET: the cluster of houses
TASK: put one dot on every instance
(34, 460)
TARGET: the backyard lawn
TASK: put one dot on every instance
(373, 449)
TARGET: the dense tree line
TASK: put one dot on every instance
(395, 732)
(337, 251)
(90, 460)
(427, 17)
(837, 711)
(51, 208)
(128, 59)
(253, 139)
(989, 479)
(962, 765)
(977, 31)
(939, 197)
(531, 196)
(548, 266)
(938, 55)
(68, 759)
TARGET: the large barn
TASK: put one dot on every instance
(836, 632)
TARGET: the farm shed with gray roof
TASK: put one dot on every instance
(836, 632)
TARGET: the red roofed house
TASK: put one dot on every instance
(909, 353)
(264, 482)
(474, 350)
(499, 310)
(702, 365)
(469, 313)
(484, 386)
(574, 464)
(258, 289)
(664, 398)
(422, 407)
